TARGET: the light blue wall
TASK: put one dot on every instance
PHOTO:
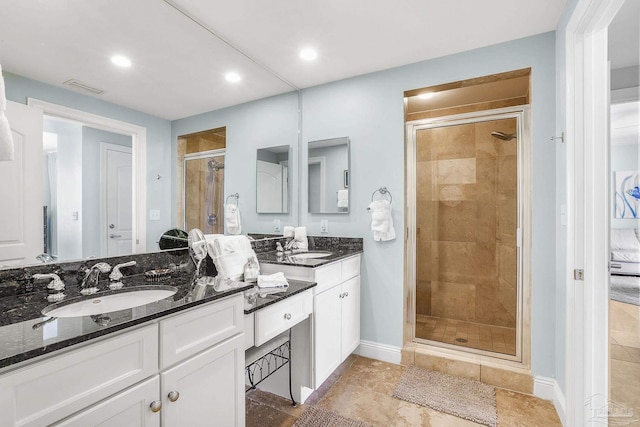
(369, 109)
(623, 158)
(159, 192)
(91, 139)
(259, 124)
(561, 197)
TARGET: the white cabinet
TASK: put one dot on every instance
(117, 381)
(129, 408)
(207, 389)
(336, 312)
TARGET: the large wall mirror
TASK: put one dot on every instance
(328, 176)
(272, 179)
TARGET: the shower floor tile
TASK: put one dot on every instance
(467, 334)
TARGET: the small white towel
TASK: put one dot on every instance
(381, 220)
(288, 231)
(275, 280)
(343, 198)
(300, 235)
(6, 137)
(232, 218)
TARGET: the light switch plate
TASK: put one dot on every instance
(276, 225)
(324, 226)
(154, 215)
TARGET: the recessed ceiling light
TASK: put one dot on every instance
(427, 95)
(232, 77)
(121, 61)
(308, 54)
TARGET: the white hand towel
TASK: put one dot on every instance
(288, 231)
(232, 218)
(275, 280)
(300, 235)
(230, 254)
(381, 220)
(6, 137)
(343, 198)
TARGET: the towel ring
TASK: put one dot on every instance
(234, 195)
(382, 190)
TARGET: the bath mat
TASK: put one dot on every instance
(462, 397)
(318, 417)
(625, 289)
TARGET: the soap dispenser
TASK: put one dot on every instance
(251, 270)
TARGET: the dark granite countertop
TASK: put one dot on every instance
(25, 333)
(255, 298)
(291, 259)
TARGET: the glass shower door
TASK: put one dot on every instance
(467, 220)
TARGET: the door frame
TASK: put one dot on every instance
(139, 161)
(522, 359)
(587, 132)
(104, 230)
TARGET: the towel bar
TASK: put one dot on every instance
(234, 195)
(382, 190)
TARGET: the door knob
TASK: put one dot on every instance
(112, 226)
(173, 395)
(287, 316)
(155, 406)
(115, 236)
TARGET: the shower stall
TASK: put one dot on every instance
(203, 191)
(466, 210)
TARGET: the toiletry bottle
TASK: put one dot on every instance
(251, 271)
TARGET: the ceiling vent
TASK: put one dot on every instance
(79, 85)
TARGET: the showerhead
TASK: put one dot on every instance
(504, 136)
(214, 165)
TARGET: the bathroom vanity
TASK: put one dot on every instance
(334, 332)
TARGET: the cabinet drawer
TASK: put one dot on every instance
(350, 268)
(48, 391)
(277, 318)
(189, 333)
(129, 408)
(327, 276)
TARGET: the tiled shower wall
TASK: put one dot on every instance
(466, 223)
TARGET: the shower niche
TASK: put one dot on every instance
(468, 226)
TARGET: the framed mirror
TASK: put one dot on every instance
(272, 180)
(328, 176)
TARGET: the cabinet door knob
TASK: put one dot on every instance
(173, 396)
(346, 294)
(155, 406)
(287, 316)
(341, 295)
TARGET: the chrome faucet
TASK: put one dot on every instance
(116, 275)
(89, 284)
(291, 244)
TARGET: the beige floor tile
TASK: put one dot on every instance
(411, 415)
(374, 375)
(521, 410)
(276, 402)
(260, 415)
(625, 384)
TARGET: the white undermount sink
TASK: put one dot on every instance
(100, 304)
(314, 254)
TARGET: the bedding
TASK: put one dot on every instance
(625, 289)
(623, 255)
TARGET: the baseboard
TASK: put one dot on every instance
(383, 352)
(548, 389)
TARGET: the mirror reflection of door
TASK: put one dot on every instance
(117, 187)
(272, 179)
(82, 194)
(328, 175)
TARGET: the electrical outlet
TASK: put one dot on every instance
(276, 225)
(324, 226)
(154, 215)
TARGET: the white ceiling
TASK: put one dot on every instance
(178, 67)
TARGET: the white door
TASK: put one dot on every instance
(326, 326)
(269, 198)
(207, 390)
(350, 316)
(119, 224)
(21, 189)
(130, 408)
